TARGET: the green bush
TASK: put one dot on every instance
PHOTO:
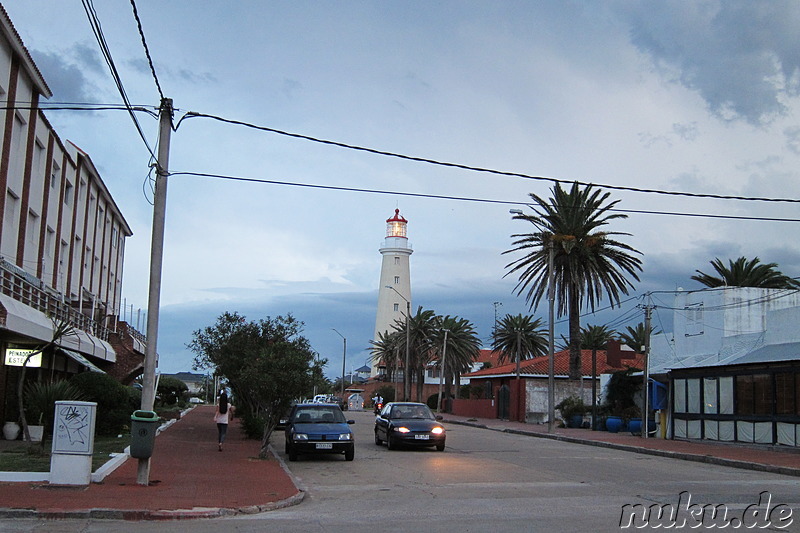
(252, 425)
(41, 398)
(386, 392)
(112, 398)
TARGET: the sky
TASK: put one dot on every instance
(696, 97)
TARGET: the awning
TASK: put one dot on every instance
(80, 359)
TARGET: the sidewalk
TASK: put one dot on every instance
(752, 457)
(189, 478)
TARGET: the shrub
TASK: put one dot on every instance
(112, 398)
(170, 390)
(571, 406)
(41, 398)
(386, 392)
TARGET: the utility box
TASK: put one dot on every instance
(144, 425)
(73, 443)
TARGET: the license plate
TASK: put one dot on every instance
(422, 437)
(324, 446)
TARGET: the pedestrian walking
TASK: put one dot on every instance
(222, 415)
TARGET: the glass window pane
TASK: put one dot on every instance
(693, 395)
(726, 395)
(744, 395)
(680, 395)
(762, 394)
(710, 396)
(784, 393)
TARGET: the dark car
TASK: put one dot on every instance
(410, 424)
(318, 428)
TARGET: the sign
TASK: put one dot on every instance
(15, 357)
(73, 428)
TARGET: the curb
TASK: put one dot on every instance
(710, 459)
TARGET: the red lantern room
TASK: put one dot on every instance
(396, 226)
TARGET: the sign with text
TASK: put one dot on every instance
(16, 357)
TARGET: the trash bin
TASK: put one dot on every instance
(143, 433)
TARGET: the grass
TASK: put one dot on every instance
(34, 457)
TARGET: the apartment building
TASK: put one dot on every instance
(62, 241)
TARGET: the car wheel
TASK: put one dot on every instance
(377, 440)
(440, 447)
(390, 443)
(292, 454)
(349, 454)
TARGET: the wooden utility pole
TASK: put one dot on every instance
(156, 260)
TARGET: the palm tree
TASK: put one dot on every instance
(587, 262)
(636, 337)
(385, 350)
(595, 338)
(519, 337)
(746, 273)
(463, 347)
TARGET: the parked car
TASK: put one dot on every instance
(410, 424)
(318, 428)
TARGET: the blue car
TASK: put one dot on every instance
(318, 428)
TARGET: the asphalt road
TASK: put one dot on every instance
(489, 481)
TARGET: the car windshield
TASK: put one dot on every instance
(319, 415)
(411, 412)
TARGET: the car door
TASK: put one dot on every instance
(382, 423)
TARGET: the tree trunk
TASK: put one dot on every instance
(574, 335)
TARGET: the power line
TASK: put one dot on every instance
(193, 114)
(146, 49)
(460, 198)
(97, 29)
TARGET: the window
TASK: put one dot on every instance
(396, 280)
(787, 393)
(754, 394)
(680, 395)
(68, 194)
(32, 229)
(396, 307)
(396, 260)
(49, 241)
(710, 396)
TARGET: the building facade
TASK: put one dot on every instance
(62, 240)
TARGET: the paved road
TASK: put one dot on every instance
(483, 481)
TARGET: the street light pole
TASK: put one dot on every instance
(344, 357)
(551, 382)
(406, 370)
(441, 371)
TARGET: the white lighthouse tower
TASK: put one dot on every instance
(395, 273)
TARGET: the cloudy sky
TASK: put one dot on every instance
(698, 97)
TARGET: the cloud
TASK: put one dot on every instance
(742, 57)
(65, 73)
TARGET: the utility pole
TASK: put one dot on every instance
(646, 372)
(156, 261)
(551, 381)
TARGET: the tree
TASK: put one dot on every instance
(519, 335)
(636, 337)
(463, 347)
(595, 338)
(746, 273)
(588, 263)
(171, 390)
(267, 364)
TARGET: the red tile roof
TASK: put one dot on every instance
(539, 366)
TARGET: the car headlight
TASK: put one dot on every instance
(437, 430)
(345, 436)
(300, 436)
(402, 429)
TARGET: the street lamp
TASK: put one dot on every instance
(406, 371)
(344, 357)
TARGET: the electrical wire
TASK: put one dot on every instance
(146, 49)
(193, 114)
(460, 198)
(97, 29)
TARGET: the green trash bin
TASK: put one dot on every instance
(143, 433)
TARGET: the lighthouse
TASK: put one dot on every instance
(395, 273)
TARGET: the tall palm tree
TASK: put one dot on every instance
(746, 273)
(385, 350)
(519, 335)
(463, 347)
(595, 338)
(636, 337)
(588, 263)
